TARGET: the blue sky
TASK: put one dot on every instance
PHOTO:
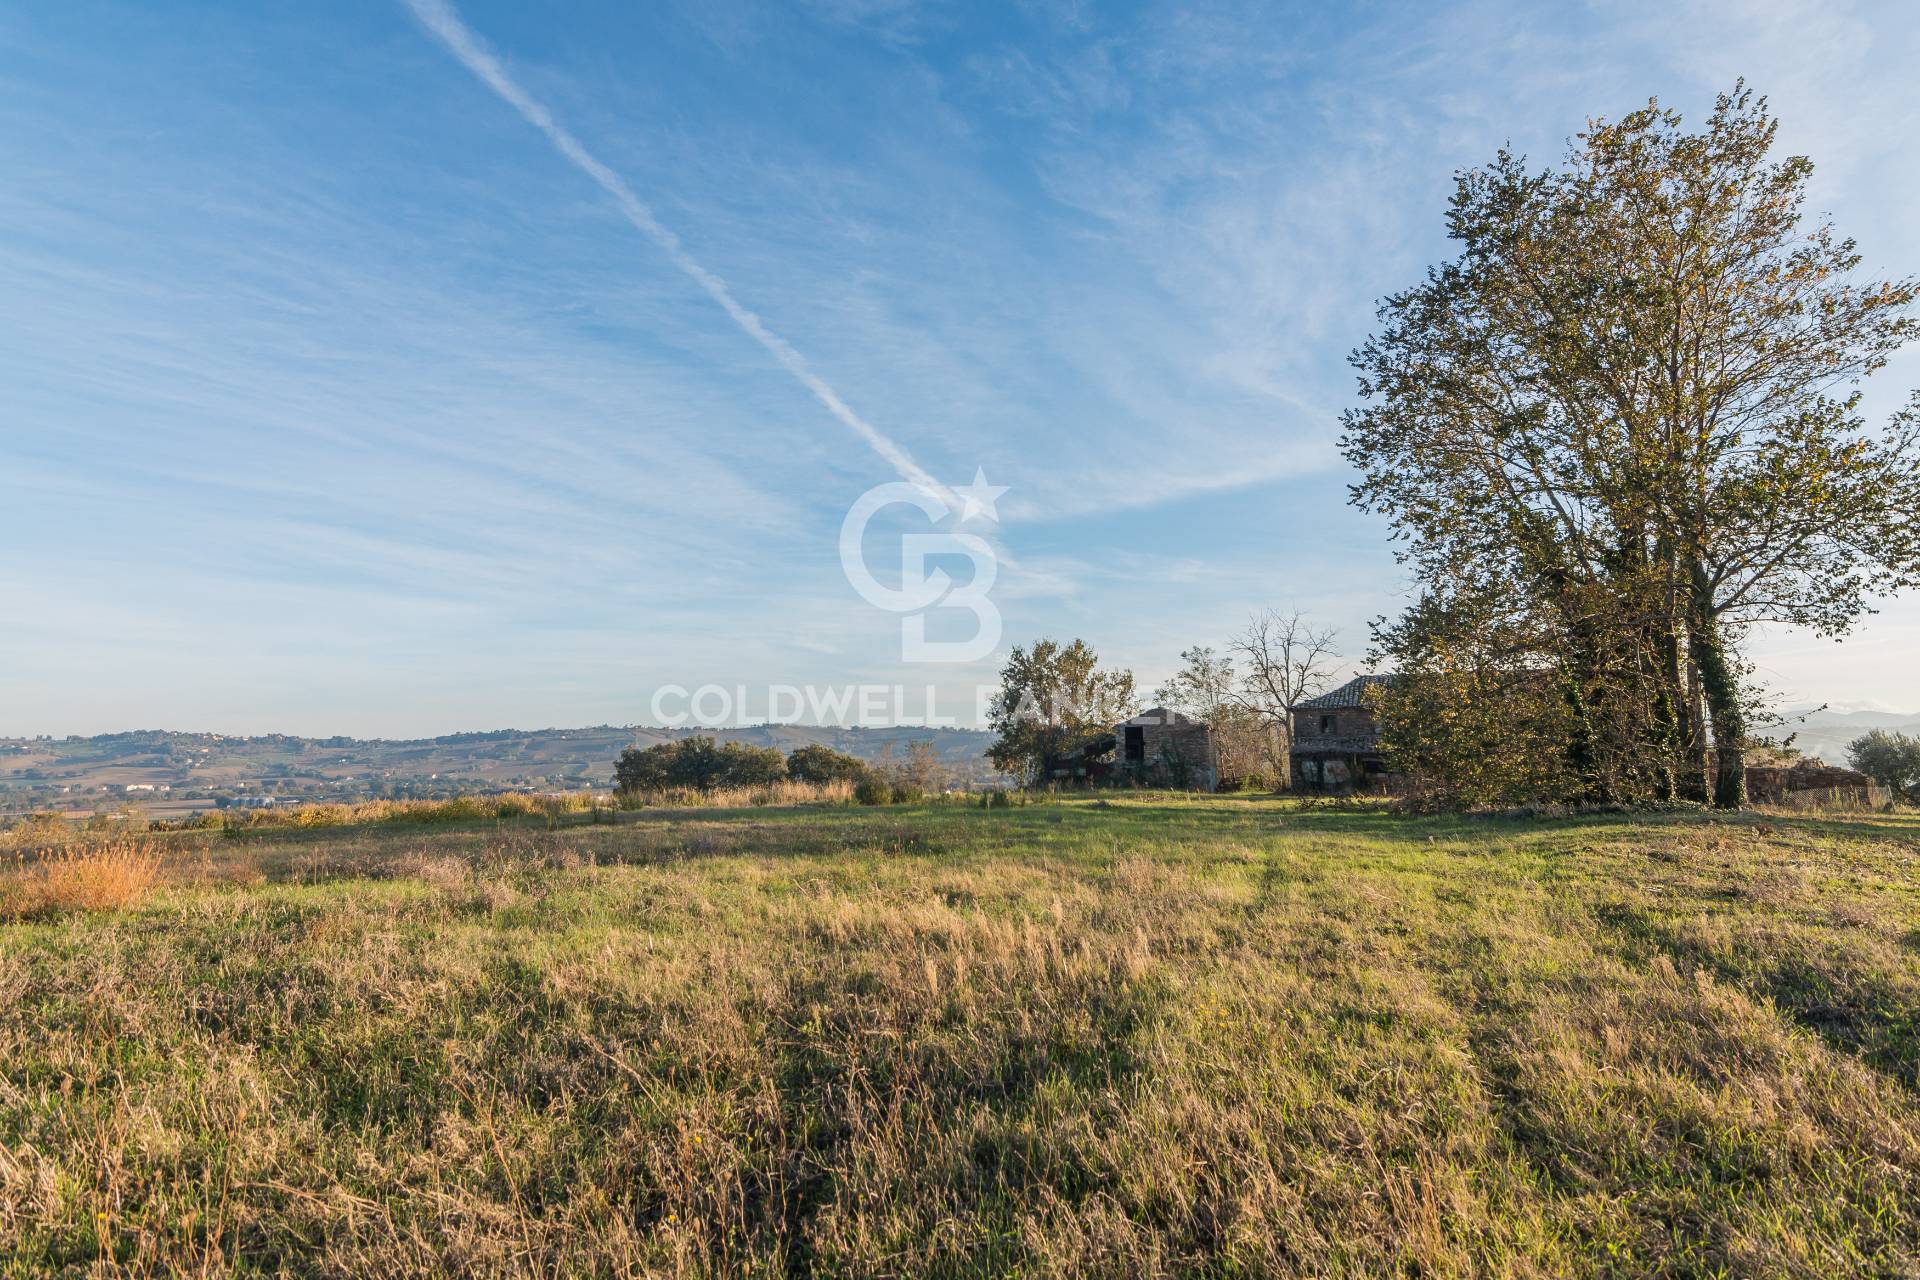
(335, 398)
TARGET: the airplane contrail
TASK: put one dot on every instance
(445, 23)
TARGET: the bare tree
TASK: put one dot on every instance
(1287, 660)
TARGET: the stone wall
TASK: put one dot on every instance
(1772, 784)
(1345, 722)
(1175, 751)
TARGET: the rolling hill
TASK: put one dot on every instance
(1826, 733)
(187, 769)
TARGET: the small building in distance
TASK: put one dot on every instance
(1166, 748)
(1336, 739)
(250, 802)
(1162, 747)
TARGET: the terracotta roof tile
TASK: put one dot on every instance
(1356, 692)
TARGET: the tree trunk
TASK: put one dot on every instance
(1668, 714)
(1582, 691)
(1722, 690)
(1580, 754)
(1693, 782)
(1689, 744)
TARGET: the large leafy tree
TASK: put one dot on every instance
(1473, 716)
(1054, 699)
(1631, 404)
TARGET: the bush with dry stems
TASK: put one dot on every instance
(98, 877)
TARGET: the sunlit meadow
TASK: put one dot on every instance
(1142, 1035)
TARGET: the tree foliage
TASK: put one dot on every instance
(1204, 687)
(1472, 717)
(697, 763)
(1247, 750)
(817, 763)
(915, 773)
(1629, 411)
(1054, 699)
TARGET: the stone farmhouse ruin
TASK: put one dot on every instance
(1336, 739)
(1162, 747)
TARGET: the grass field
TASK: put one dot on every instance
(1141, 1036)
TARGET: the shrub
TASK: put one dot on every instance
(920, 769)
(457, 809)
(749, 766)
(38, 831)
(872, 791)
(908, 793)
(100, 878)
(514, 805)
(128, 820)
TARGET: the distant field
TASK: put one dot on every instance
(1146, 1035)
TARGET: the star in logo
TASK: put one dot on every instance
(977, 499)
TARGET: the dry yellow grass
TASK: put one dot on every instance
(513, 805)
(100, 877)
(39, 832)
(510, 805)
(770, 794)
